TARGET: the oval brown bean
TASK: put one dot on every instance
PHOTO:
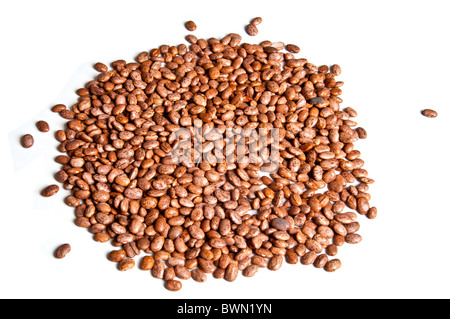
(50, 190)
(173, 285)
(62, 251)
(27, 140)
(429, 113)
(43, 126)
(333, 265)
(251, 29)
(190, 25)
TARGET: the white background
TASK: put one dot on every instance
(394, 56)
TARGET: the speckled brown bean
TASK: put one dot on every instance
(169, 273)
(291, 257)
(126, 264)
(292, 48)
(219, 273)
(117, 255)
(60, 135)
(27, 140)
(50, 190)
(182, 272)
(67, 114)
(191, 38)
(333, 265)
(100, 196)
(43, 126)
(346, 218)
(100, 67)
(158, 269)
(190, 25)
(429, 113)
(259, 261)
(147, 262)
(62, 159)
(173, 285)
(362, 205)
(62, 251)
(331, 250)
(362, 134)
(101, 237)
(339, 240)
(251, 30)
(72, 201)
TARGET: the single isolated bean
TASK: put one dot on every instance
(58, 108)
(100, 67)
(126, 264)
(333, 265)
(147, 263)
(27, 140)
(190, 25)
(43, 126)
(250, 271)
(117, 255)
(292, 48)
(198, 275)
(429, 113)
(336, 69)
(173, 285)
(62, 251)
(275, 262)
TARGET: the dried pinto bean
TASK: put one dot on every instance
(429, 113)
(251, 29)
(173, 285)
(27, 140)
(193, 214)
(42, 126)
(62, 251)
(190, 25)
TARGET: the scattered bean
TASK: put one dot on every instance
(62, 251)
(256, 21)
(50, 190)
(43, 126)
(27, 140)
(191, 26)
(429, 113)
(293, 48)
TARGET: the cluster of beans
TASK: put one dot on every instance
(187, 219)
